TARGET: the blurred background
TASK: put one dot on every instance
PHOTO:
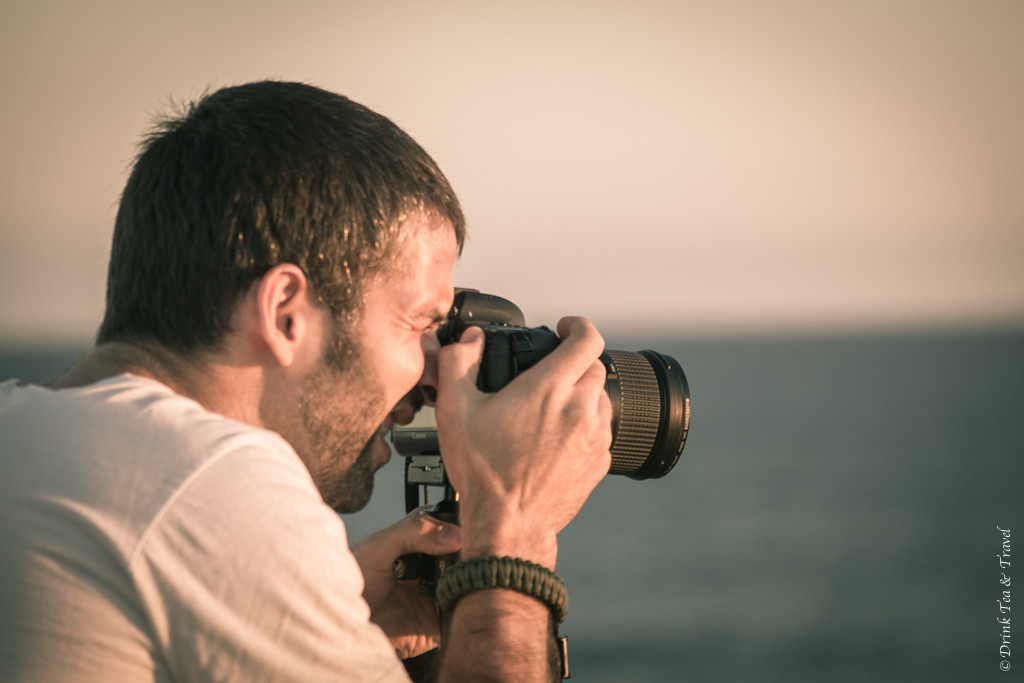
(817, 208)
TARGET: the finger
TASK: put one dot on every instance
(581, 345)
(591, 390)
(595, 376)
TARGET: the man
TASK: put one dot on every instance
(281, 259)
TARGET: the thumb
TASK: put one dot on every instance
(416, 533)
(430, 535)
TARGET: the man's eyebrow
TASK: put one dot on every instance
(438, 317)
(433, 314)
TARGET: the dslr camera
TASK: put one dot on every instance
(650, 410)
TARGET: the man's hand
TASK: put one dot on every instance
(409, 620)
(524, 459)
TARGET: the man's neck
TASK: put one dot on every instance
(200, 377)
(108, 360)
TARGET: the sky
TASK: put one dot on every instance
(692, 168)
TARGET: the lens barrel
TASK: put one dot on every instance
(651, 412)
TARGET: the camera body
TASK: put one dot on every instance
(649, 392)
(509, 346)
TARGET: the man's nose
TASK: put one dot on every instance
(428, 383)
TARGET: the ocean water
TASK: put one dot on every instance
(835, 516)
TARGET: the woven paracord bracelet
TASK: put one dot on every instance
(480, 573)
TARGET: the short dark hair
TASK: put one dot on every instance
(249, 177)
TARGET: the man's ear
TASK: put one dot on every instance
(285, 312)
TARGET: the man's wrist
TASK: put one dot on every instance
(509, 538)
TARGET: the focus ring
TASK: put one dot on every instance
(639, 412)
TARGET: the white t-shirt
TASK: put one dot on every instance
(143, 538)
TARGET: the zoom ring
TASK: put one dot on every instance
(639, 412)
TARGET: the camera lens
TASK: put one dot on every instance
(651, 412)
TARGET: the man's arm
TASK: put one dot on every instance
(524, 460)
(500, 635)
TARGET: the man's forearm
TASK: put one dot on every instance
(499, 635)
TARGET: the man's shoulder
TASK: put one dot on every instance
(142, 408)
(118, 453)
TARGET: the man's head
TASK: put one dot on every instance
(250, 177)
(285, 214)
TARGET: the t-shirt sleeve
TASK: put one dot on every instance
(247, 575)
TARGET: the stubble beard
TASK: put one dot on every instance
(341, 408)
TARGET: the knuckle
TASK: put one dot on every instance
(593, 339)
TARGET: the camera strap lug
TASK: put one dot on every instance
(563, 656)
